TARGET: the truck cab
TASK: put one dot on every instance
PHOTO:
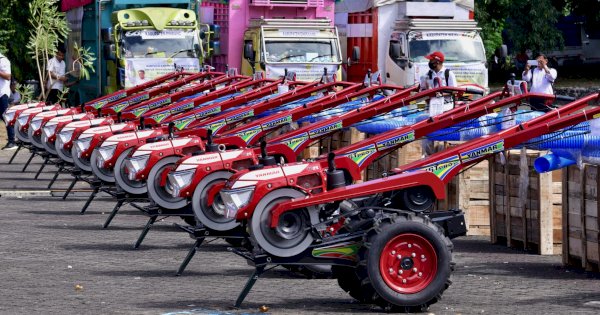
(413, 39)
(307, 47)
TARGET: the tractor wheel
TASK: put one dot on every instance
(213, 217)
(349, 281)
(82, 163)
(102, 173)
(290, 237)
(408, 263)
(131, 186)
(417, 199)
(158, 193)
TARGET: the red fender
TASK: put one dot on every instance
(399, 182)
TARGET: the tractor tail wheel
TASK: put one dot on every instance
(408, 263)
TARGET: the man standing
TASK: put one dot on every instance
(5, 76)
(15, 96)
(141, 77)
(56, 72)
(437, 76)
(541, 78)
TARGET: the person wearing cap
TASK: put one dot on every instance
(437, 74)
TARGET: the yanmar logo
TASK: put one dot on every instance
(208, 112)
(325, 129)
(492, 148)
(139, 98)
(109, 99)
(277, 122)
(268, 173)
(406, 137)
(180, 108)
(156, 104)
(240, 116)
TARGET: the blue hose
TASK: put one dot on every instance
(551, 162)
(287, 106)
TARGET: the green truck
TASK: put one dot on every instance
(137, 40)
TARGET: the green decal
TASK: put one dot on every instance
(182, 123)
(139, 111)
(248, 135)
(296, 142)
(325, 129)
(394, 141)
(277, 122)
(347, 251)
(361, 155)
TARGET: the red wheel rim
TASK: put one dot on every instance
(408, 263)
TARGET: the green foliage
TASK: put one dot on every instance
(531, 25)
(26, 92)
(491, 16)
(48, 27)
(84, 62)
(14, 32)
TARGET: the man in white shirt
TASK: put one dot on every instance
(541, 78)
(56, 77)
(141, 78)
(5, 76)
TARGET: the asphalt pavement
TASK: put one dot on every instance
(56, 261)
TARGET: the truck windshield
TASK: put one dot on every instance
(302, 51)
(462, 50)
(159, 44)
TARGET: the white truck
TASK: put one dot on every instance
(407, 31)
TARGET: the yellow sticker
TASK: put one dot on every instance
(596, 116)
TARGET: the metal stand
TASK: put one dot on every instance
(145, 231)
(61, 168)
(123, 198)
(19, 147)
(73, 182)
(33, 153)
(46, 160)
(189, 256)
(89, 200)
(154, 211)
(258, 271)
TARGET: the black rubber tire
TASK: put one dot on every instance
(83, 164)
(417, 199)
(158, 193)
(133, 187)
(191, 221)
(375, 240)
(206, 215)
(102, 173)
(349, 281)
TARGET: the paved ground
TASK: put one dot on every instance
(47, 249)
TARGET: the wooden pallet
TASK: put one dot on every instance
(581, 217)
(525, 205)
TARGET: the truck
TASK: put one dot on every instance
(274, 36)
(135, 41)
(394, 37)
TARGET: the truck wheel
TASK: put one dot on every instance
(158, 193)
(131, 186)
(82, 163)
(103, 174)
(408, 263)
(417, 199)
(213, 217)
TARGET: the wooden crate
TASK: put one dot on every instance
(581, 217)
(524, 204)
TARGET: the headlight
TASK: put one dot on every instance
(136, 164)
(107, 152)
(49, 130)
(36, 124)
(82, 145)
(9, 116)
(236, 199)
(176, 181)
(65, 136)
(22, 120)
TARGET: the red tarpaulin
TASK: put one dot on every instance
(67, 5)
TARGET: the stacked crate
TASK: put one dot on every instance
(581, 217)
(525, 205)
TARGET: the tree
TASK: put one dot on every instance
(532, 25)
(49, 27)
(15, 29)
(491, 16)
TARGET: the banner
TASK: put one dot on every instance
(142, 70)
(304, 72)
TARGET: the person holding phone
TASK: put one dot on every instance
(541, 77)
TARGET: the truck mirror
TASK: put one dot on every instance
(107, 35)
(110, 52)
(395, 50)
(355, 54)
(249, 51)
